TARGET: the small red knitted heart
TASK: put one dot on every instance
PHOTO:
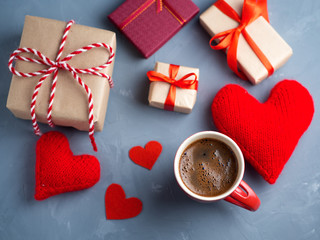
(267, 133)
(59, 171)
(118, 206)
(146, 157)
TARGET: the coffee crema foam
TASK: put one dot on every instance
(208, 167)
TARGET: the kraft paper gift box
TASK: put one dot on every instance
(184, 98)
(149, 24)
(275, 49)
(70, 107)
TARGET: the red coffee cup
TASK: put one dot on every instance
(239, 193)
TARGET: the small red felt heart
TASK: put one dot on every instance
(146, 157)
(118, 206)
(59, 171)
(267, 133)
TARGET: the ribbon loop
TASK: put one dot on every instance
(54, 67)
(228, 40)
(181, 83)
(228, 10)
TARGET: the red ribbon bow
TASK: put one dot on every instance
(54, 67)
(252, 9)
(181, 83)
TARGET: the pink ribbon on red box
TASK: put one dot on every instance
(54, 67)
(145, 6)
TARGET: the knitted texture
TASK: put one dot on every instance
(118, 206)
(146, 157)
(267, 133)
(59, 171)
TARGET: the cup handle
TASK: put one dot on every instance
(244, 197)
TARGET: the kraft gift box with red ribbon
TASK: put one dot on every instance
(149, 24)
(241, 28)
(173, 87)
(62, 74)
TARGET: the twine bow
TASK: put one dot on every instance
(54, 67)
(181, 83)
(252, 9)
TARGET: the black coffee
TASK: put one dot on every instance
(208, 167)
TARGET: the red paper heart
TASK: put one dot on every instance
(59, 171)
(118, 206)
(146, 157)
(267, 133)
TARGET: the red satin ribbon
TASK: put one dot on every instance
(181, 83)
(252, 9)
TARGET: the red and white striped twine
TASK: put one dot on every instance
(54, 67)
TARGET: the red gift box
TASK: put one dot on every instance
(149, 24)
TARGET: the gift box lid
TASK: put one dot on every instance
(147, 27)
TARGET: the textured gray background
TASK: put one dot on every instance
(290, 209)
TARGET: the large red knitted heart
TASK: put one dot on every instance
(146, 157)
(118, 206)
(59, 171)
(267, 133)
